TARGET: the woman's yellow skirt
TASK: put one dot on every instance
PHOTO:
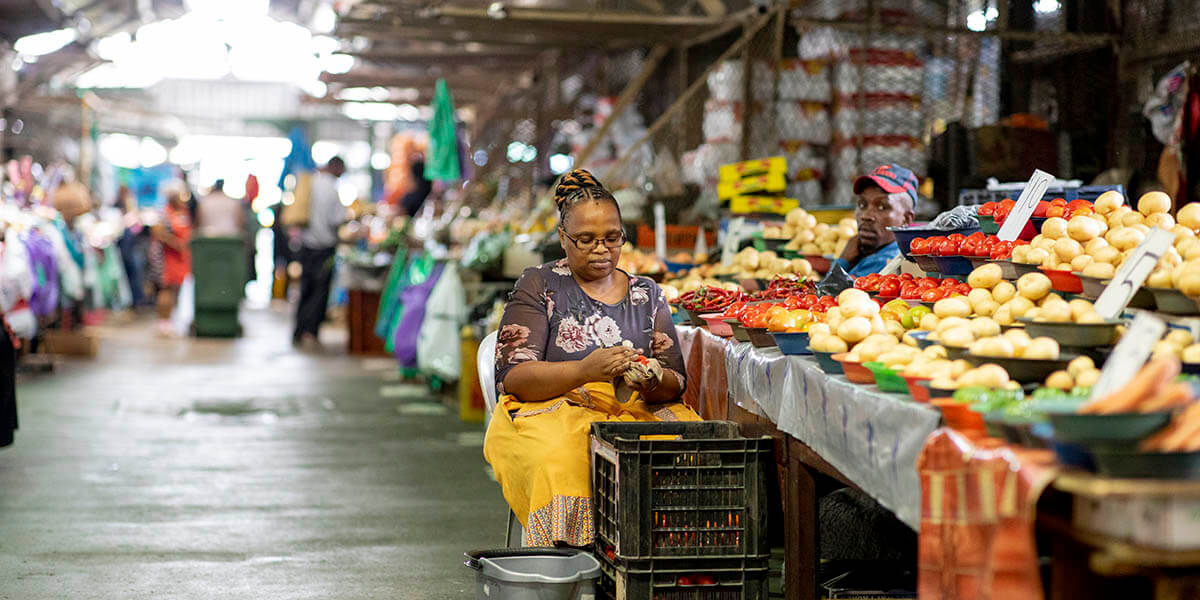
(539, 452)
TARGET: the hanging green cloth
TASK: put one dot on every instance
(442, 162)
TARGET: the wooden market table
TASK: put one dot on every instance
(827, 431)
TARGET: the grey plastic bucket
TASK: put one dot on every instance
(534, 574)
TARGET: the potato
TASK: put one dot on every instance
(1048, 298)
(1095, 244)
(1179, 337)
(877, 325)
(1079, 365)
(1189, 216)
(1033, 314)
(1106, 254)
(990, 376)
(1133, 218)
(982, 327)
(958, 367)
(1056, 312)
(929, 322)
(1160, 220)
(819, 328)
(958, 337)
(1164, 348)
(1020, 305)
(1067, 249)
(1020, 254)
(1100, 270)
(1053, 262)
(1090, 317)
(1191, 354)
(987, 308)
(859, 307)
(951, 322)
(1042, 348)
(1033, 286)
(851, 294)
(1060, 380)
(1003, 292)
(1036, 256)
(1154, 202)
(1003, 315)
(1108, 202)
(1045, 243)
(1087, 378)
(1080, 307)
(894, 328)
(952, 307)
(996, 347)
(1159, 278)
(1018, 337)
(1055, 228)
(1126, 238)
(1081, 262)
(854, 329)
(1083, 229)
(943, 383)
(978, 295)
(985, 276)
(1189, 283)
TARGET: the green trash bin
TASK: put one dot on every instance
(219, 270)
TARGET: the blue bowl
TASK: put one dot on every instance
(905, 235)
(680, 317)
(921, 336)
(792, 343)
(953, 265)
(830, 366)
(1073, 455)
(675, 267)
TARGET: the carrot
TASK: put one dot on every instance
(1189, 429)
(1145, 385)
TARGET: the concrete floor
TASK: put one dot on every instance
(239, 469)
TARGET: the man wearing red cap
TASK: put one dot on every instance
(887, 197)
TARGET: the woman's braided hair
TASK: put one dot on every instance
(580, 186)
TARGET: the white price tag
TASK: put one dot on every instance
(1030, 196)
(733, 237)
(1130, 354)
(893, 265)
(1133, 273)
(660, 231)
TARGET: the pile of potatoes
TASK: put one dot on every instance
(1015, 343)
(752, 264)
(1179, 344)
(1081, 372)
(854, 320)
(986, 375)
(810, 237)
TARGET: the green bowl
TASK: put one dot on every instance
(739, 332)
(988, 225)
(887, 379)
(1117, 430)
(1147, 465)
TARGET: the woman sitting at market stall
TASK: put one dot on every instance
(580, 341)
(887, 197)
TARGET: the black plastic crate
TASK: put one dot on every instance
(968, 197)
(686, 579)
(679, 490)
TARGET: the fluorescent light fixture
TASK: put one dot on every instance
(370, 111)
(1046, 6)
(151, 153)
(380, 161)
(516, 151)
(560, 163)
(40, 44)
(408, 112)
(977, 21)
(323, 150)
(337, 63)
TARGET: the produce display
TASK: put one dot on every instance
(641, 263)
(807, 236)
(710, 299)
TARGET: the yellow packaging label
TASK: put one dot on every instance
(762, 204)
(771, 183)
(761, 166)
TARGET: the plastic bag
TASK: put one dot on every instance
(1164, 108)
(185, 306)
(16, 287)
(835, 282)
(439, 351)
(957, 218)
(417, 271)
(415, 299)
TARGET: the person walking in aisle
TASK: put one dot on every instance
(318, 241)
(218, 215)
(173, 234)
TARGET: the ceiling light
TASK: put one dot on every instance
(39, 44)
(497, 10)
(380, 161)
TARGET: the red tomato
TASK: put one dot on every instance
(1058, 202)
(1041, 208)
(957, 237)
(734, 310)
(1008, 203)
(889, 289)
(948, 283)
(809, 301)
(919, 246)
(978, 235)
(947, 248)
(872, 284)
(910, 291)
(988, 209)
(963, 288)
(705, 580)
(969, 247)
(932, 295)
(684, 580)
(1057, 211)
(860, 283)
(792, 302)
(926, 284)
(906, 277)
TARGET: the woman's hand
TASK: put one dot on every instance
(606, 363)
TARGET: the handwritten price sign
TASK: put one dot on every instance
(1129, 354)
(1030, 196)
(1133, 273)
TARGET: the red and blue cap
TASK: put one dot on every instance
(892, 178)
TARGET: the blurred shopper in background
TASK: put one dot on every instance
(421, 187)
(133, 256)
(218, 215)
(173, 233)
(317, 243)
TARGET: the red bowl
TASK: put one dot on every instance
(855, 372)
(919, 393)
(958, 416)
(717, 325)
(1063, 280)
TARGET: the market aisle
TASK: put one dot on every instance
(202, 469)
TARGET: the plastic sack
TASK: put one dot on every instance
(956, 218)
(70, 279)
(835, 282)
(16, 287)
(414, 299)
(44, 268)
(439, 351)
(114, 283)
(1164, 108)
(185, 305)
(417, 271)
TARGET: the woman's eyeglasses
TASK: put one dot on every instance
(587, 243)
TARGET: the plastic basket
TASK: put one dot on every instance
(688, 579)
(700, 492)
